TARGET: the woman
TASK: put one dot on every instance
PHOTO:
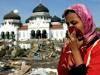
(81, 51)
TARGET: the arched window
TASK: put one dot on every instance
(12, 35)
(7, 35)
(38, 34)
(2, 35)
(44, 34)
(32, 34)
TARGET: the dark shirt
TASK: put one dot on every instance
(79, 70)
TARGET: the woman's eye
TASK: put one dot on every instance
(74, 23)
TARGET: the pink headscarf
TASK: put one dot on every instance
(86, 17)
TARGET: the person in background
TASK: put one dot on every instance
(81, 52)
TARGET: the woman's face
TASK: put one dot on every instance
(72, 19)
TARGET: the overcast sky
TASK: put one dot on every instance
(56, 7)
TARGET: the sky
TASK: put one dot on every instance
(56, 7)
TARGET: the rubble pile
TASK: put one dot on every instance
(47, 50)
(43, 71)
(41, 59)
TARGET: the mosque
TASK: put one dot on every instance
(40, 25)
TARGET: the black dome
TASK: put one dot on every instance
(27, 20)
(40, 8)
(55, 19)
(12, 15)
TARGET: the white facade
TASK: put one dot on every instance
(57, 34)
(9, 27)
(39, 22)
(23, 35)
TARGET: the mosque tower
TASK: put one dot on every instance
(12, 18)
(11, 22)
(39, 22)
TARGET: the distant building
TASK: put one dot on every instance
(41, 25)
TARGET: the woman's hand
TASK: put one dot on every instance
(74, 43)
